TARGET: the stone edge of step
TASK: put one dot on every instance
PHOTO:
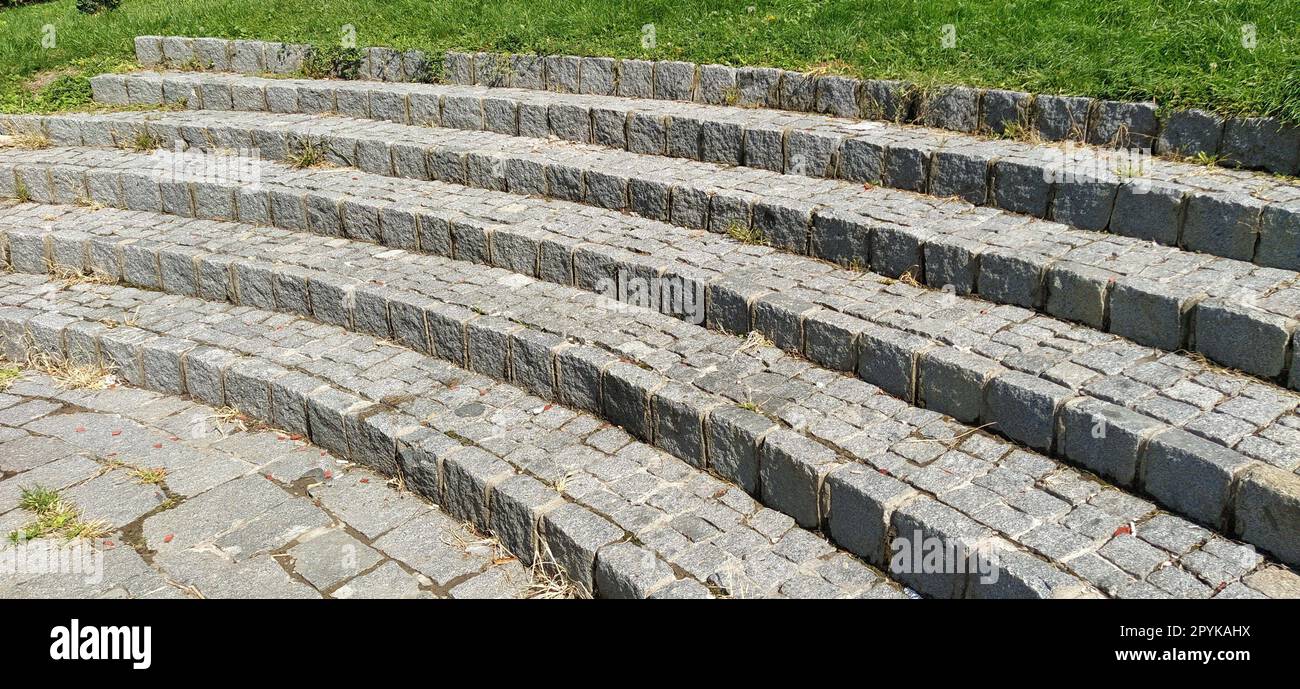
(1253, 142)
(1239, 489)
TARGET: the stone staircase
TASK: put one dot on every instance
(797, 323)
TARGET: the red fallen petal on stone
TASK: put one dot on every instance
(157, 446)
(547, 407)
(1123, 530)
(117, 432)
(365, 480)
(323, 453)
(81, 429)
(108, 543)
(482, 392)
(168, 538)
(175, 438)
(884, 471)
(329, 474)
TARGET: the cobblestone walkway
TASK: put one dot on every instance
(187, 501)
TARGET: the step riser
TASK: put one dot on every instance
(1034, 183)
(1251, 142)
(1023, 407)
(350, 427)
(655, 410)
(1149, 312)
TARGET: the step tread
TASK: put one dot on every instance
(950, 476)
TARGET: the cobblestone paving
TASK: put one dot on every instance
(533, 238)
(1031, 501)
(240, 513)
(485, 420)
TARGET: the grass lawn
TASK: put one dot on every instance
(1178, 52)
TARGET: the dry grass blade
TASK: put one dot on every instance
(27, 140)
(70, 375)
(954, 440)
(471, 540)
(753, 341)
(549, 582)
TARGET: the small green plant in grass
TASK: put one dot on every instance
(21, 192)
(96, 6)
(308, 154)
(8, 374)
(145, 141)
(748, 235)
(332, 62)
(430, 70)
(54, 516)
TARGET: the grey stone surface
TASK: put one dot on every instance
(1261, 142)
(1024, 407)
(1191, 475)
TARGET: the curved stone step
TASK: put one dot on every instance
(1235, 214)
(840, 319)
(1155, 296)
(799, 475)
(1255, 142)
(621, 518)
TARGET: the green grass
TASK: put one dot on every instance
(1179, 52)
(54, 515)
